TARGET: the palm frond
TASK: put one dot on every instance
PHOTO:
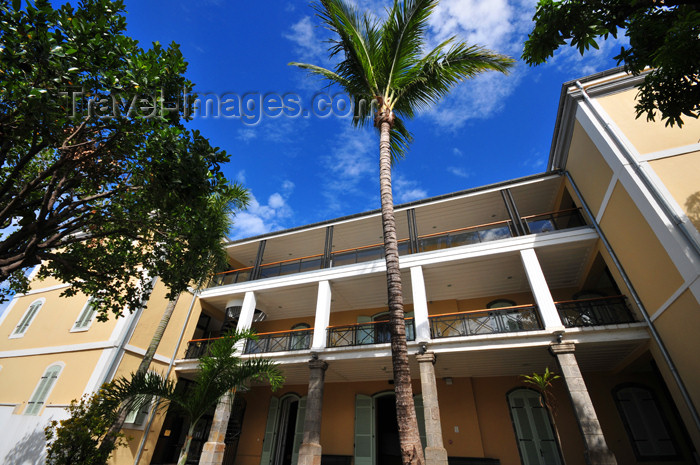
(323, 72)
(439, 74)
(401, 139)
(357, 42)
(403, 36)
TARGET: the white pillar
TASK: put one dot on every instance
(245, 319)
(323, 312)
(420, 305)
(538, 285)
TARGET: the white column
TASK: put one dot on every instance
(245, 320)
(538, 285)
(323, 313)
(420, 305)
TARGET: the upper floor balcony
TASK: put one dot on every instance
(532, 207)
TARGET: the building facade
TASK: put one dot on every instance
(590, 269)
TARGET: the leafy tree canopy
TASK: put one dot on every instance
(99, 179)
(663, 35)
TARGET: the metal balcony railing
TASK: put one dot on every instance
(197, 348)
(544, 222)
(280, 341)
(554, 221)
(465, 236)
(595, 312)
(376, 332)
(489, 321)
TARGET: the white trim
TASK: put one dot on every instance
(465, 252)
(12, 303)
(45, 289)
(669, 301)
(606, 197)
(540, 290)
(56, 349)
(142, 352)
(14, 334)
(98, 373)
(669, 152)
(668, 234)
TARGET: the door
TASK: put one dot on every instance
(364, 430)
(533, 431)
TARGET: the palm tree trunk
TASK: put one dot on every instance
(111, 436)
(409, 437)
(186, 447)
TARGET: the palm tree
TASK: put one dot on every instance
(219, 209)
(382, 65)
(221, 372)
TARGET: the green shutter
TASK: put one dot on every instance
(299, 430)
(420, 416)
(86, 315)
(533, 430)
(364, 430)
(27, 318)
(42, 391)
(270, 432)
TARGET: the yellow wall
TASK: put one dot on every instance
(588, 168)
(653, 274)
(52, 325)
(20, 376)
(680, 176)
(646, 136)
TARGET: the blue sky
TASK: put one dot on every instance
(306, 169)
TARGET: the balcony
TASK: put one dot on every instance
(594, 312)
(278, 341)
(488, 321)
(376, 332)
(540, 223)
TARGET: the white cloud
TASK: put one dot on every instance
(459, 172)
(406, 190)
(262, 218)
(304, 35)
(246, 135)
(457, 152)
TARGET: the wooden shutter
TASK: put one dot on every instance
(533, 431)
(270, 432)
(27, 318)
(85, 316)
(299, 430)
(364, 430)
(46, 382)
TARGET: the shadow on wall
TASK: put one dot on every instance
(30, 450)
(692, 209)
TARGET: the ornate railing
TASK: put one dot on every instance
(465, 236)
(490, 321)
(280, 341)
(375, 332)
(555, 221)
(595, 312)
(197, 348)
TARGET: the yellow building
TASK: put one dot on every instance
(590, 269)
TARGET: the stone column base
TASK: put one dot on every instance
(309, 454)
(212, 453)
(435, 456)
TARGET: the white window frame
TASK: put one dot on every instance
(15, 332)
(88, 304)
(33, 400)
(136, 418)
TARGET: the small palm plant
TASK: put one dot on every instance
(543, 384)
(220, 372)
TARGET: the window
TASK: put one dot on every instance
(86, 316)
(43, 389)
(500, 303)
(136, 416)
(645, 424)
(27, 318)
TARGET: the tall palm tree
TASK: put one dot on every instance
(384, 67)
(220, 372)
(219, 209)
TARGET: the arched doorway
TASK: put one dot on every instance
(533, 430)
(284, 430)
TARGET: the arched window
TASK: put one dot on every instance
(43, 389)
(500, 303)
(645, 423)
(301, 339)
(27, 318)
(87, 314)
